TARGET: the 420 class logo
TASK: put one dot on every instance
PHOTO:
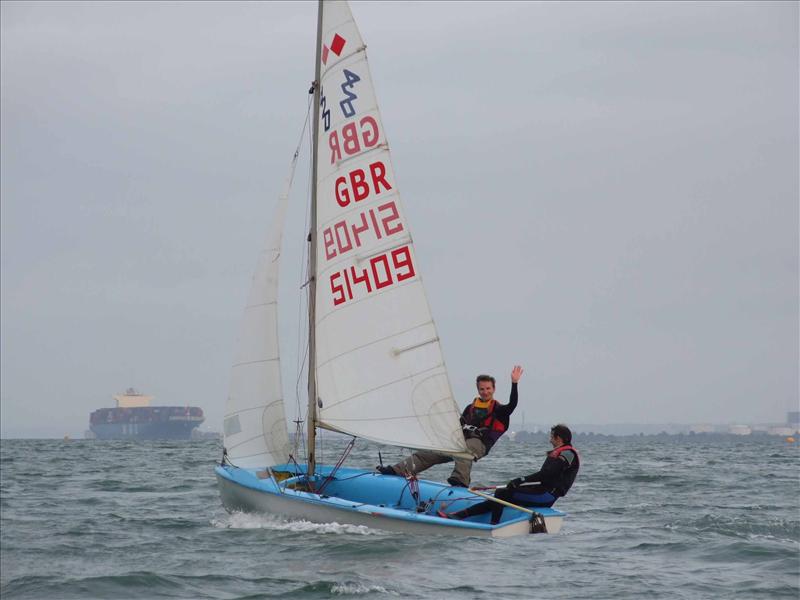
(346, 105)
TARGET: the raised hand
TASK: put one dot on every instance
(516, 373)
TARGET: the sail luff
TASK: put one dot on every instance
(312, 257)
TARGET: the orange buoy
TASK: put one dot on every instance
(790, 439)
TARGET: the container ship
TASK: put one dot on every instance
(134, 418)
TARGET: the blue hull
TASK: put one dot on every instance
(365, 497)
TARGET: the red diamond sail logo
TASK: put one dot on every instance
(337, 45)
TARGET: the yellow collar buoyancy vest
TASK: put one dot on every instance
(483, 411)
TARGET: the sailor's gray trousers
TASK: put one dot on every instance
(424, 459)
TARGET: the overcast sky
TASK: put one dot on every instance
(605, 193)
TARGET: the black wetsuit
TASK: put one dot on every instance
(542, 488)
(556, 474)
(501, 412)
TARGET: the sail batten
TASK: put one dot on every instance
(379, 340)
(243, 442)
(372, 391)
(259, 361)
(258, 407)
(254, 306)
(386, 442)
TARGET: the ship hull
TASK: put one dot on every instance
(144, 431)
(145, 422)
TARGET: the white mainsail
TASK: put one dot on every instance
(379, 366)
(255, 430)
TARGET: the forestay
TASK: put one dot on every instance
(379, 366)
(255, 421)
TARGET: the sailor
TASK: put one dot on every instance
(542, 488)
(484, 421)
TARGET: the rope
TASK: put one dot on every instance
(503, 502)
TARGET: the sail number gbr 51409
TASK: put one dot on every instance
(381, 271)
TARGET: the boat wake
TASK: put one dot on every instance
(241, 520)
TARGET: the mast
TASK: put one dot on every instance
(312, 262)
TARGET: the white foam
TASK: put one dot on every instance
(355, 589)
(239, 520)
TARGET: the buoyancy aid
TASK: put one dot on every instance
(569, 474)
(557, 451)
(490, 421)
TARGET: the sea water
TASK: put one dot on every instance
(649, 517)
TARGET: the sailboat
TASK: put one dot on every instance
(375, 364)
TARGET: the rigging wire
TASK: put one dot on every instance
(302, 332)
(338, 464)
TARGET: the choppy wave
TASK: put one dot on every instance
(359, 589)
(672, 519)
(762, 524)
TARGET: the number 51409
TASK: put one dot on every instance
(381, 271)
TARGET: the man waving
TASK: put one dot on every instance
(484, 421)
